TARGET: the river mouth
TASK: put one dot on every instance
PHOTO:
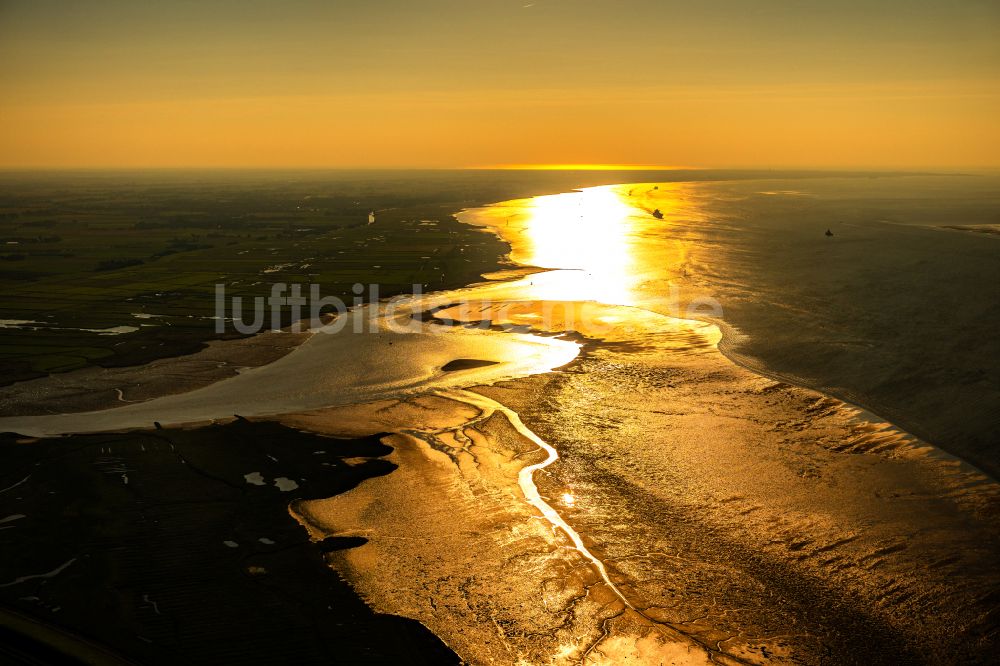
(696, 511)
(690, 485)
(610, 487)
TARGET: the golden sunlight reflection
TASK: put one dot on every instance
(626, 245)
(568, 499)
(614, 244)
(586, 230)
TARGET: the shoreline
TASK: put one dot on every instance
(60, 382)
(732, 338)
(729, 331)
(887, 455)
(408, 437)
(513, 271)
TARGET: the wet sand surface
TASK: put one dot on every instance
(649, 500)
(743, 519)
(739, 519)
(366, 362)
(894, 312)
(105, 388)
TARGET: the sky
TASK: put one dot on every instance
(485, 83)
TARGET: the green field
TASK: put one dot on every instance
(101, 251)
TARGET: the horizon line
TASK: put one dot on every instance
(500, 167)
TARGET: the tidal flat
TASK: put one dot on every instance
(657, 429)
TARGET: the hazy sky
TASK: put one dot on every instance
(454, 83)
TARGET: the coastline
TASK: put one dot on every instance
(729, 340)
(891, 458)
(875, 448)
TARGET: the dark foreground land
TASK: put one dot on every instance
(153, 547)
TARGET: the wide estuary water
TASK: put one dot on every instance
(613, 488)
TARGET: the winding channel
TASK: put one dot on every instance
(487, 407)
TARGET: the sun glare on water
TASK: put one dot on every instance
(588, 231)
(610, 244)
